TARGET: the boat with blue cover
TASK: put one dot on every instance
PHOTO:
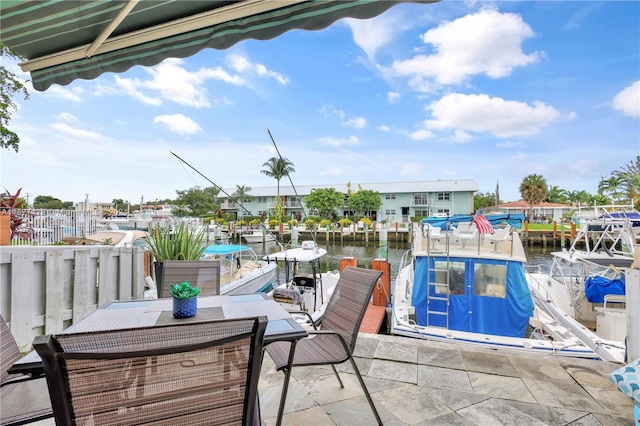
(241, 269)
(584, 288)
(458, 284)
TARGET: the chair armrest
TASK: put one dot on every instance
(308, 315)
(331, 332)
(21, 378)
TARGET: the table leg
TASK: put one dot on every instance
(285, 386)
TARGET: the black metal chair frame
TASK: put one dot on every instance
(350, 278)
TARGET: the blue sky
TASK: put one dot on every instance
(490, 91)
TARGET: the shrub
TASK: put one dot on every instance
(345, 222)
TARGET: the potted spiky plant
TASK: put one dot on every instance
(181, 243)
(185, 299)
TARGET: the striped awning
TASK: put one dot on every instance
(66, 40)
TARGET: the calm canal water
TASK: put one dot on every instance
(366, 255)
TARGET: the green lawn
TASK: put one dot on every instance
(546, 226)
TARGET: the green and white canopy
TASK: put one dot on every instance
(66, 40)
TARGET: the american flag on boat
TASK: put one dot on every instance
(483, 224)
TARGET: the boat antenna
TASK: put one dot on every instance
(227, 194)
(295, 191)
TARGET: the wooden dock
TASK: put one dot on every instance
(373, 317)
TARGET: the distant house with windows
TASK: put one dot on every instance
(400, 200)
(543, 212)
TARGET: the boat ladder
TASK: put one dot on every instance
(438, 285)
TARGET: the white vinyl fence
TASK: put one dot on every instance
(45, 289)
(44, 226)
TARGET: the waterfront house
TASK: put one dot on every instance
(400, 200)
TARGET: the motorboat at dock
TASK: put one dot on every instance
(463, 285)
(305, 288)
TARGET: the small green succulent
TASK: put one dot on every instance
(183, 290)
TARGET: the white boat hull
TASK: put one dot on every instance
(255, 281)
(403, 325)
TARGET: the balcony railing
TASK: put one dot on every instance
(286, 205)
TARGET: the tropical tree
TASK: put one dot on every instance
(580, 197)
(242, 194)
(325, 200)
(196, 201)
(557, 195)
(49, 202)
(610, 187)
(120, 203)
(364, 200)
(483, 200)
(533, 190)
(277, 168)
(10, 85)
(629, 181)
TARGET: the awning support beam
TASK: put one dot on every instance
(110, 28)
(180, 26)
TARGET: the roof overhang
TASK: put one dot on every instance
(66, 40)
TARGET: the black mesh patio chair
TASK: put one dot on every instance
(202, 274)
(194, 373)
(23, 398)
(335, 341)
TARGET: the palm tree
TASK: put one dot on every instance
(610, 187)
(533, 190)
(242, 193)
(557, 195)
(277, 168)
(629, 179)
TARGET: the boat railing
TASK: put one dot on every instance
(612, 235)
(436, 241)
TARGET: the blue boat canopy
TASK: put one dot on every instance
(513, 219)
(223, 249)
(472, 306)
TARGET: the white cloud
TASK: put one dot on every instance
(422, 134)
(481, 113)
(339, 142)
(392, 97)
(628, 100)
(384, 128)
(461, 137)
(65, 116)
(487, 42)
(357, 122)
(243, 65)
(330, 110)
(371, 34)
(130, 87)
(171, 81)
(60, 92)
(77, 133)
(178, 123)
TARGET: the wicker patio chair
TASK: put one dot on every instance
(193, 373)
(335, 341)
(202, 274)
(23, 399)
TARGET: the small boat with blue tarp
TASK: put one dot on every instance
(584, 288)
(466, 283)
(241, 269)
